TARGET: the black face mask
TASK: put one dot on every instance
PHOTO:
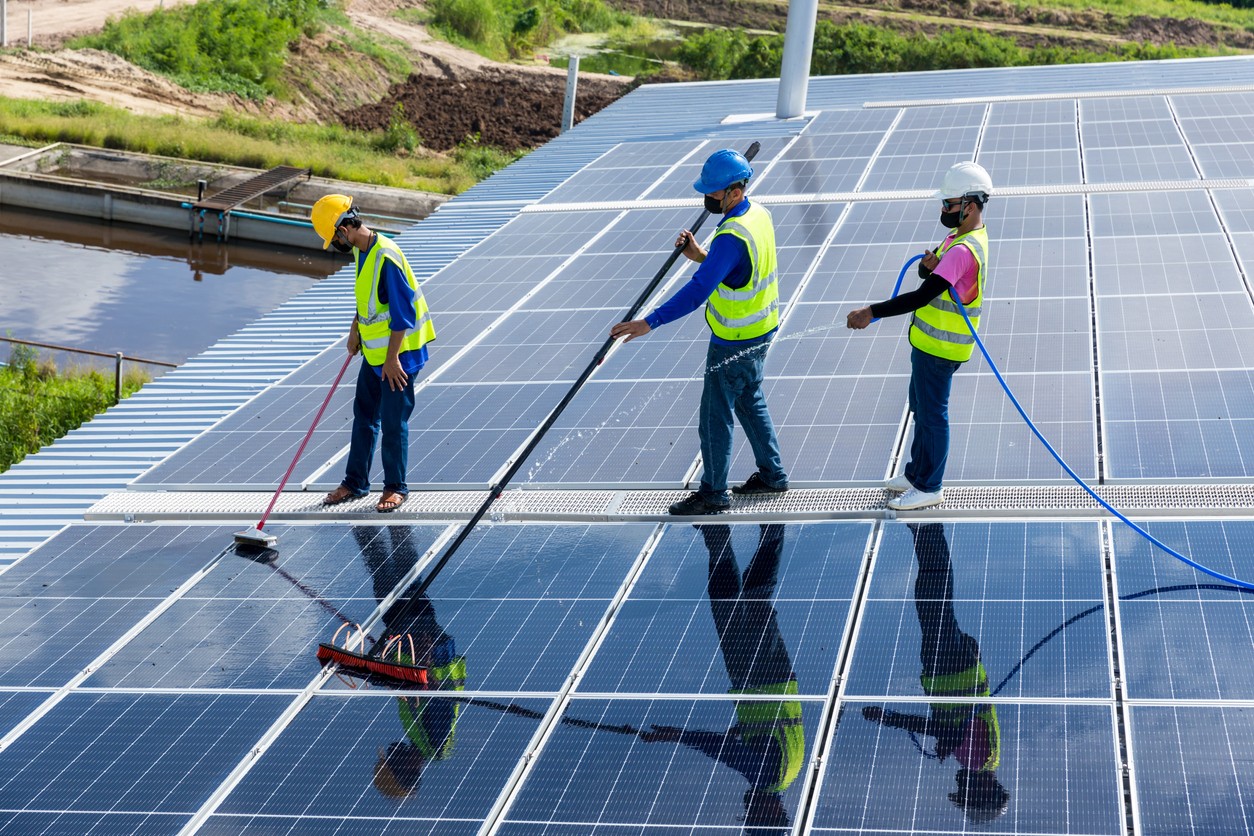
(341, 246)
(951, 220)
(713, 205)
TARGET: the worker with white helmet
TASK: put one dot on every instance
(939, 337)
(737, 285)
(391, 330)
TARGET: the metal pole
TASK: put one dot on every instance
(794, 71)
(117, 379)
(572, 79)
(4, 20)
(30, 29)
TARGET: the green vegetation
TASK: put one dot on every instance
(236, 46)
(38, 404)
(640, 48)
(859, 48)
(1232, 12)
(389, 158)
(502, 29)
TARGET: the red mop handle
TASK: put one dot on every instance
(305, 441)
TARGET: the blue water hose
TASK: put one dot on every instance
(1150, 537)
(900, 277)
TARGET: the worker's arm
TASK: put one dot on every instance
(932, 287)
(897, 719)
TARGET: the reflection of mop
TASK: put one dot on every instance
(397, 668)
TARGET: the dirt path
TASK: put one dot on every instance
(55, 21)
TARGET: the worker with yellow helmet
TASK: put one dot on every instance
(391, 329)
(939, 337)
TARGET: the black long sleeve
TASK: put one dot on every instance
(932, 287)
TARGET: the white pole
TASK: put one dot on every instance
(4, 19)
(572, 79)
(794, 71)
(30, 29)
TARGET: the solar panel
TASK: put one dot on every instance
(618, 672)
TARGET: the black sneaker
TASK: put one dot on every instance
(696, 505)
(755, 484)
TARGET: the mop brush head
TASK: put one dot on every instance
(390, 673)
(256, 538)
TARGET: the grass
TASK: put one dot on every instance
(329, 150)
(1178, 9)
(39, 403)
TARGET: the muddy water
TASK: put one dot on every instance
(145, 292)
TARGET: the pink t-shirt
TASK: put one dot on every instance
(957, 266)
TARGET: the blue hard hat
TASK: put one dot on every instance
(721, 170)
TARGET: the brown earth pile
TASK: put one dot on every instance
(506, 110)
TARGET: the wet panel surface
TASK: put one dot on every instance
(132, 753)
(1192, 769)
(1046, 769)
(668, 763)
(411, 757)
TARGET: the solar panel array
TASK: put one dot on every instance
(156, 681)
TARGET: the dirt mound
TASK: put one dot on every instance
(506, 110)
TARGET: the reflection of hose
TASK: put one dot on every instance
(1158, 590)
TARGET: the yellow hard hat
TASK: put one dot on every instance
(328, 213)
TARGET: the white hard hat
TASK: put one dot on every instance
(966, 178)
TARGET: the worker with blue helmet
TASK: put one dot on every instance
(737, 284)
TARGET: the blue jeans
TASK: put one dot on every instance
(733, 383)
(930, 379)
(377, 406)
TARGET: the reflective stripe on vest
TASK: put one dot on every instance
(373, 319)
(972, 682)
(938, 327)
(782, 721)
(743, 313)
(451, 676)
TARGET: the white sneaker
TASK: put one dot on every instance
(898, 484)
(915, 498)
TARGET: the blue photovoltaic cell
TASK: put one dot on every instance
(1186, 636)
(862, 120)
(378, 774)
(1148, 333)
(811, 147)
(1058, 773)
(1048, 167)
(99, 824)
(1140, 213)
(1165, 425)
(945, 598)
(133, 753)
(912, 223)
(620, 433)
(1192, 770)
(538, 233)
(814, 176)
(831, 429)
(922, 171)
(636, 154)
(662, 763)
(649, 230)
(1124, 165)
(598, 184)
(550, 345)
(815, 342)
(730, 608)
(610, 280)
(1044, 267)
(1124, 109)
(269, 825)
(1237, 208)
(1037, 335)
(990, 442)
(485, 284)
(16, 705)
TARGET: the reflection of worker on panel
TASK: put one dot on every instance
(429, 722)
(951, 667)
(767, 744)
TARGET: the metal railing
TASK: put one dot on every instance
(118, 358)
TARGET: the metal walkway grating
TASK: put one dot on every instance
(253, 187)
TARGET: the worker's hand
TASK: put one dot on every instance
(873, 713)
(930, 260)
(692, 250)
(394, 374)
(859, 319)
(354, 342)
(628, 331)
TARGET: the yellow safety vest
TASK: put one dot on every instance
(753, 310)
(938, 327)
(451, 676)
(972, 682)
(374, 323)
(782, 721)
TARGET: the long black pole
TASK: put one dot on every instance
(497, 489)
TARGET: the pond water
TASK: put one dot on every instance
(148, 293)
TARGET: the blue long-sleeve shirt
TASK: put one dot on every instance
(728, 263)
(392, 285)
